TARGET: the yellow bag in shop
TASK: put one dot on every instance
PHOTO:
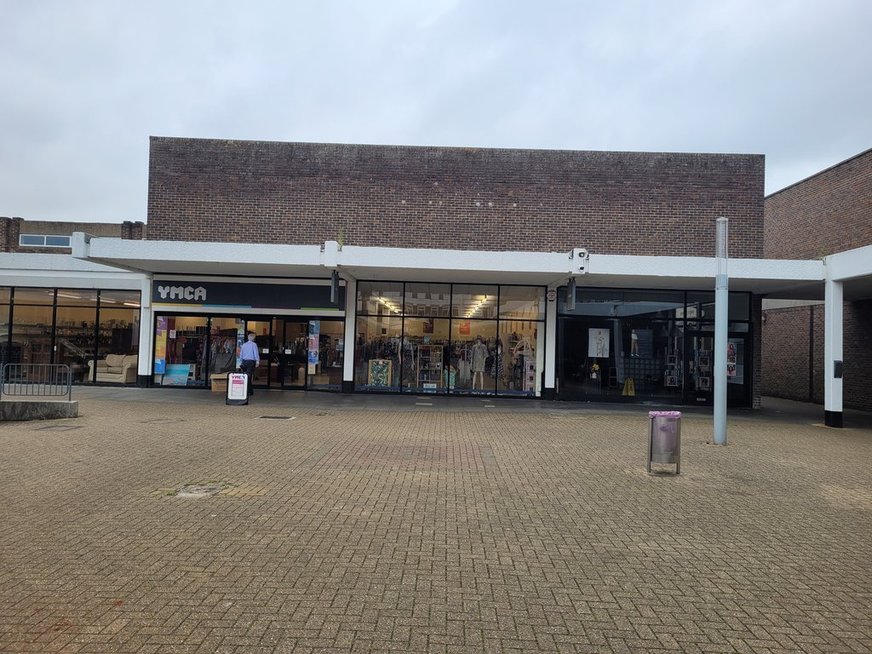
(629, 387)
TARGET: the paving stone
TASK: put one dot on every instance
(376, 527)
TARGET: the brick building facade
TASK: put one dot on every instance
(827, 213)
(11, 230)
(455, 198)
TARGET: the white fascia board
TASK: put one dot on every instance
(51, 262)
(705, 267)
(204, 252)
(850, 264)
(404, 259)
(62, 270)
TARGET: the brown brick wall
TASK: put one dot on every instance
(757, 370)
(458, 198)
(786, 352)
(857, 352)
(787, 362)
(828, 213)
(12, 228)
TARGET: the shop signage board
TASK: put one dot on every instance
(231, 295)
(237, 388)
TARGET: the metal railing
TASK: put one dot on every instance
(36, 380)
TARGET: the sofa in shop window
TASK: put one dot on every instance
(115, 368)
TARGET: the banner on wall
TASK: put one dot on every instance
(314, 345)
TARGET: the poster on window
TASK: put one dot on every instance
(314, 345)
(160, 346)
(735, 370)
(598, 343)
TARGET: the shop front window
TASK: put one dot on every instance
(180, 350)
(622, 345)
(520, 347)
(632, 345)
(377, 353)
(5, 353)
(226, 336)
(428, 300)
(466, 339)
(326, 354)
(425, 346)
(32, 325)
(379, 298)
(75, 327)
(476, 357)
(522, 302)
(473, 301)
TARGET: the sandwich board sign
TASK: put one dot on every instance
(237, 388)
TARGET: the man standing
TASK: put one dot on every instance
(250, 360)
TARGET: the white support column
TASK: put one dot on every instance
(144, 364)
(350, 332)
(833, 309)
(549, 392)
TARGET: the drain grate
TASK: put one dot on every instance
(58, 428)
(277, 417)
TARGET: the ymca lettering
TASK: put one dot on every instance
(182, 293)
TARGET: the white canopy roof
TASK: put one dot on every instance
(775, 278)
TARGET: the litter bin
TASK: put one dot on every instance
(664, 438)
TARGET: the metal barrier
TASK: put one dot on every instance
(36, 380)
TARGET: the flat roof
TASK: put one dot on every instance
(787, 279)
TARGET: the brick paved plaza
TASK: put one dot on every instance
(392, 525)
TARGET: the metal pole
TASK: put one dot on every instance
(720, 354)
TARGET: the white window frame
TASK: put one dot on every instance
(44, 240)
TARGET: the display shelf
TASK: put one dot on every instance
(429, 367)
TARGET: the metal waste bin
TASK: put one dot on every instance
(664, 438)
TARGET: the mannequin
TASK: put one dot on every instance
(479, 357)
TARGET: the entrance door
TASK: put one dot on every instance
(699, 385)
(292, 354)
(699, 359)
(263, 373)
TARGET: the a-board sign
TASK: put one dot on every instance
(237, 388)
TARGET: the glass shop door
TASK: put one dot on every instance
(292, 354)
(699, 383)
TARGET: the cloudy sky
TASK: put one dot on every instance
(83, 83)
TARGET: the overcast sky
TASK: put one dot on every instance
(84, 83)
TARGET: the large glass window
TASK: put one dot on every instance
(475, 356)
(75, 327)
(470, 301)
(377, 353)
(466, 339)
(632, 345)
(180, 350)
(5, 324)
(326, 354)
(381, 298)
(523, 302)
(520, 348)
(32, 321)
(425, 348)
